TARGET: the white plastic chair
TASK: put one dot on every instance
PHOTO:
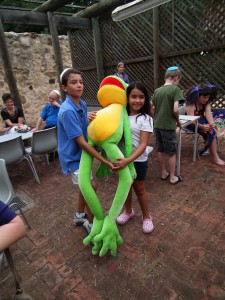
(43, 142)
(13, 152)
(7, 193)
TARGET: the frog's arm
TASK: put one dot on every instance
(128, 142)
(109, 236)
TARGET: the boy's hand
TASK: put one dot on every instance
(91, 116)
(179, 124)
(111, 165)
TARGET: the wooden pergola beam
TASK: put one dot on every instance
(99, 8)
(67, 5)
(35, 18)
(55, 43)
(9, 74)
(51, 5)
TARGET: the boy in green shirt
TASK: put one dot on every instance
(166, 119)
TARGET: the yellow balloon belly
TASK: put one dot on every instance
(106, 123)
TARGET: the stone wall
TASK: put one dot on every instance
(32, 58)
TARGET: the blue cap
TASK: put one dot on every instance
(173, 68)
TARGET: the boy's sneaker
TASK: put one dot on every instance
(87, 226)
(79, 218)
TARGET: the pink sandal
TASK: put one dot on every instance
(148, 226)
(125, 217)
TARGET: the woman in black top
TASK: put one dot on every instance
(198, 103)
(11, 114)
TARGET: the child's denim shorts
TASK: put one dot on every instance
(141, 169)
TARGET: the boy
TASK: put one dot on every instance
(72, 137)
(166, 118)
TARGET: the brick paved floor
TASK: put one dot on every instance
(184, 258)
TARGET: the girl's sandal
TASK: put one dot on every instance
(125, 217)
(147, 225)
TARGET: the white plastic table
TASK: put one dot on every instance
(10, 136)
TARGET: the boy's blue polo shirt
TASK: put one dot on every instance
(72, 123)
(50, 114)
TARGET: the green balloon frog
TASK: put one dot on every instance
(106, 131)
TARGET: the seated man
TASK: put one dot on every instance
(12, 115)
(11, 227)
(50, 111)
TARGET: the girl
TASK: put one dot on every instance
(198, 104)
(141, 128)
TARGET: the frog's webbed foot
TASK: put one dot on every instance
(96, 229)
(109, 238)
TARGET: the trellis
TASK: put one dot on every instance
(191, 35)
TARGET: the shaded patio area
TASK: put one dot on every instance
(184, 258)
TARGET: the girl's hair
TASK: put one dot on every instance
(66, 73)
(146, 108)
(194, 93)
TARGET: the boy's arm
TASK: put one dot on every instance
(176, 112)
(86, 147)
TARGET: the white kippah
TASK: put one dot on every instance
(57, 92)
(61, 75)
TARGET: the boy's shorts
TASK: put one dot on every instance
(75, 175)
(141, 169)
(6, 214)
(166, 141)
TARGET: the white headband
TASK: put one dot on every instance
(57, 92)
(61, 75)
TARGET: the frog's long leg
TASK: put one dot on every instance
(86, 188)
(90, 197)
(125, 181)
(109, 236)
